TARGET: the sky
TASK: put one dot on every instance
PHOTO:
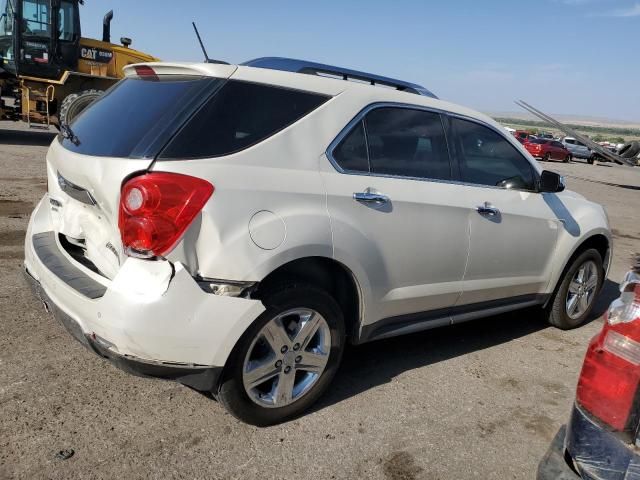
(575, 57)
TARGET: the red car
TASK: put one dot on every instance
(546, 149)
(521, 135)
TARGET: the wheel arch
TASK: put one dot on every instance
(597, 240)
(325, 273)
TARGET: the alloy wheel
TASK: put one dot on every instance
(287, 358)
(582, 289)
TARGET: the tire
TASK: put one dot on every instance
(242, 402)
(546, 157)
(557, 309)
(567, 159)
(591, 160)
(75, 103)
(630, 150)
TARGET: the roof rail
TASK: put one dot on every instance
(312, 68)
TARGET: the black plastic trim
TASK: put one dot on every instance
(49, 253)
(554, 464)
(415, 322)
(201, 378)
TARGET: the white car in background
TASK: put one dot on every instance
(232, 227)
(577, 149)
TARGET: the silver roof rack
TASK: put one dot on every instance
(313, 68)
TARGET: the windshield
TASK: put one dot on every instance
(36, 20)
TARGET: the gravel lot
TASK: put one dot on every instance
(479, 400)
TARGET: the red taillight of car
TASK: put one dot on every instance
(610, 374)
(156, 209)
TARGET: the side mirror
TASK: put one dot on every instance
(551, 182)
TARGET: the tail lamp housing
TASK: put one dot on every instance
(156, 209)
(608, 384)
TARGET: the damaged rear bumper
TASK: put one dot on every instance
(152, 318)
(199, 377)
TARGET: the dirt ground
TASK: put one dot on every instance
(479, 400)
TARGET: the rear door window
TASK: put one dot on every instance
(240, 115)
(396, 141)
(408, 143)
(351, 153)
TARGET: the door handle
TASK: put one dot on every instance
(369, 196)
(488, 209)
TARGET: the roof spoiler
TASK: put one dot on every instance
(197, 69)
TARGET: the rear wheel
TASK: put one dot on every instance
(74, 104)
(546, 157)
(286, 359)
(574, 298)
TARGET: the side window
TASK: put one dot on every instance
(557, 144)
(351, 153)
(408, 143)
(240, 115)
(486, 158)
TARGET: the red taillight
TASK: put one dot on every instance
(611, 371)
(157, 208)
(144, 71)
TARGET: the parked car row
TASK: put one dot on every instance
(545, 147)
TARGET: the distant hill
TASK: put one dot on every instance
(573, 119)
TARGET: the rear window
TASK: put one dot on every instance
(240, 115)
(136, 114)
(183, 117)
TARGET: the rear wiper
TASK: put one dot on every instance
(67, 133)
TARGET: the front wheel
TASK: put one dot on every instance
(286, 359)
(574, 298)
(567, 159)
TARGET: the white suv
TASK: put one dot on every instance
(232, 227)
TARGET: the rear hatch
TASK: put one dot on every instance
(117, 137)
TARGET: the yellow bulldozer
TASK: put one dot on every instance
(49, 73)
